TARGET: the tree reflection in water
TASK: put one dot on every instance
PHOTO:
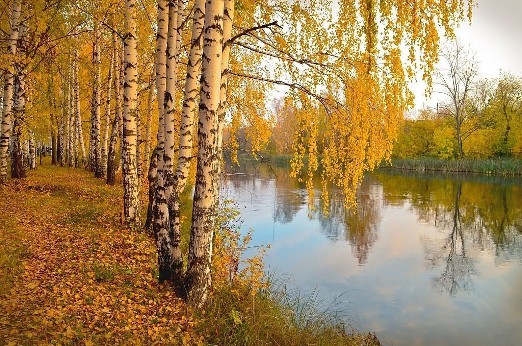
(474, 214)
(479, 214)
(360, 225)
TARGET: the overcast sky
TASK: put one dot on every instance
(495, 34)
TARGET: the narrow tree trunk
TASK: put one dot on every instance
(54, 148)
(228, 20)
(96, 103)
(104, 148)
(75, 122)
(8, 92)
(18, 165)
(187, 116)
(148, 139)
(168, 257)
(70, 121)
(138, 144)
(63, 131)
(32, 151)
(199, 278)
(161, 83)
(115, 126)
(78, 115)
(130, 172)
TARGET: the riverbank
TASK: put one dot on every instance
(71, 274)
(498, 166)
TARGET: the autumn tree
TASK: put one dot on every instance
(130, 170)
(456, 82)
(507, 103)
(7, 99)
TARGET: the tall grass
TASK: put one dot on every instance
(247, 307)
(497, 166)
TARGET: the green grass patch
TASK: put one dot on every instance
(497, 166)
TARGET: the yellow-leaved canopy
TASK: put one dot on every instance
(349, 64)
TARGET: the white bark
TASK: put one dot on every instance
(187, 117)
(32, 151)
(228, 20)
(8, 91)
(105, 141)
(74, 121)
(78, 116)
(199, 278)
(18, 166)
(95, 162)
(111, 157)
(159, 206)
(130, 96)
(148, 125)
(186, 140)
(169, 257)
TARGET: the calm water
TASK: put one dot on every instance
(424, 260)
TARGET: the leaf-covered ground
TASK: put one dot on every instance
(71, 274)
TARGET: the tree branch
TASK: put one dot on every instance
(247, 31)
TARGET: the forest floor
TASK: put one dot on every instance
(71, 274)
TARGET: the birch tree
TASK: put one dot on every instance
(95, 139)
(115, 124)
(105, 141)
(199, 277)
(186, 140)
(8, 90)
(130, 171)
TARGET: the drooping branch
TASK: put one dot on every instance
(250, 30)
(324, 101)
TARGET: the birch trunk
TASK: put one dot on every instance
(78, 115)
(71, 120)
(8, 92)
(96, 105)
(188, 114)
(168, 259)
(161, 84)
(130, 172)
(138, 144)
(148, 139)
(18, 165)
(53, 120)
(199, 278)
(74, 121)
(104, 148)
(111, 155)
(54, 148)
(228, 20)
(63, 130)
(32, 151)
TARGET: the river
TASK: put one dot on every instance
(424, 259)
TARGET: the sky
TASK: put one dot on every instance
(495, 37)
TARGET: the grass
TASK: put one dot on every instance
(497, 166)
(71, 274)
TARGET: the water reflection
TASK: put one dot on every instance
(475, 213)
(359, 226)
(418, 250)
